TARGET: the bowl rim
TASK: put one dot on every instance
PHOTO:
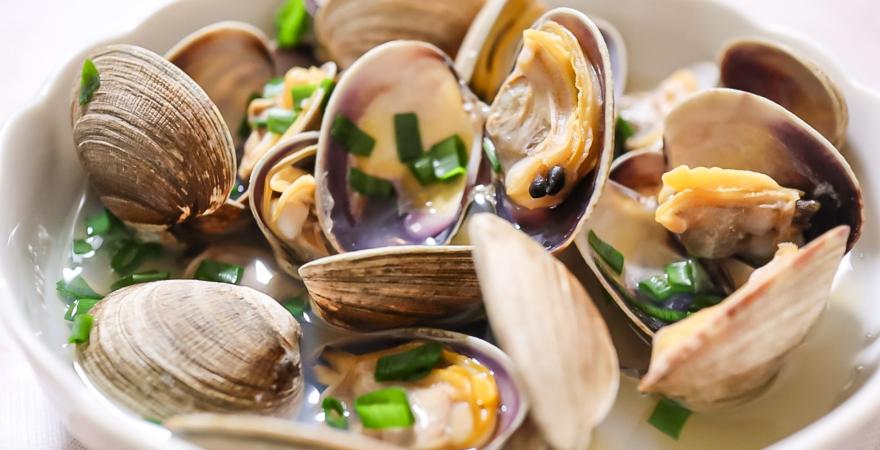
(842, 422)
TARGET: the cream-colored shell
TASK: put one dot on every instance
(394, 287)
(547, 323)
(154, 146)
(727, 353)
(182, 346)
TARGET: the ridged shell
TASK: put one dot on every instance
(154, 146)
(182, 346)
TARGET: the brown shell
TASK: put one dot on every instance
(153, 144)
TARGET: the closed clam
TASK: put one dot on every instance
(762, 208)
(182, 346)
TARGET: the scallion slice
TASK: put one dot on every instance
(137, 278)
(131, 254)
(75, 288)
(81, 247)
(609, 254)
(656, 287)
(221, 272)
(489, 150)
(300, 94)
(369, 185)
(409, 365)
(101, 223)
(423, 170)
(291, 23)
(334, 413)
(679, 275)
(273, 87)
(326, 85)
(80, 306)
(89, 82)
(385, 408)
(661, 313)
(297, 306)
(669, 417)
(352, 138)
(623, 130)
(702, 281)
(409, 139)
(449, 158)
(278, 120)
(82, 325)
(238, 190)
(704, 301)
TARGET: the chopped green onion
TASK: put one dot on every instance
(291, 23)
(81, 247)
(334, 413)
(704, 301)
(609, 254)
(297, 306)
(409, 365)
(623, 130)
(82, 325)
(680, 276)
(153, 420)
(75, 288)
(280, 119)
(423, 170)
(221, 272)
(131, 254)
(449, 158)
(702, 281)
(138, 278)
(669, 417)
(238, 190)
(80, 306)
(657, 288)
(409, 140)
(89, 82)
(369, 185)
(301, 94)
(273, 87)
(326, 85)
(661, 313)
(489, 150)
(351, 137)
(101, 223)
(385, 408)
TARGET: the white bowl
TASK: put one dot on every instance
(44, 187)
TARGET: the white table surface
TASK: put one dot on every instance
(36, 36)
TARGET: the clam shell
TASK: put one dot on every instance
(154, 146)
(347, 29)
(727, 353)
(231, 61)
(299, 150)
(547, 323)
(181, 346)
(394, 287)
(241, 432)
(779, 74)
(740, 130)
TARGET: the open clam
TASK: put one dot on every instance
(347, 29)
(182, 346)
(741, 229)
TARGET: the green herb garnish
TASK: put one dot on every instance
(609, 254)
(385, 408)
(291, 23)
(301, 94)
(669, 417)
(661, 313)
(423, 170)
(352, 138)
(131, 254)
(273, 87)
(238, 190)
(327, 85)
(138, 278)
(657, 288)
(297, 306)
(81, 247)
(409, 365)
(279, 120)
(409, 139)
(221, 272)
(623, 130)
(102, 223)
(75, 288)
(489, 151)
(89, 82)
(334, 413)
(680, 276)
(369, 185)
(82, 325)
(80, 306)
(449, 158)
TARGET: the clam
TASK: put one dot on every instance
(282, 191)
(347, 29)
(182, 346)
(154, 146)
(468, 395)
(753, 205)
(778, 73)
(545, 320)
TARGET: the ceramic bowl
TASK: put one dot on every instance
(45, 187)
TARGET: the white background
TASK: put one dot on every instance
(37, 36)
